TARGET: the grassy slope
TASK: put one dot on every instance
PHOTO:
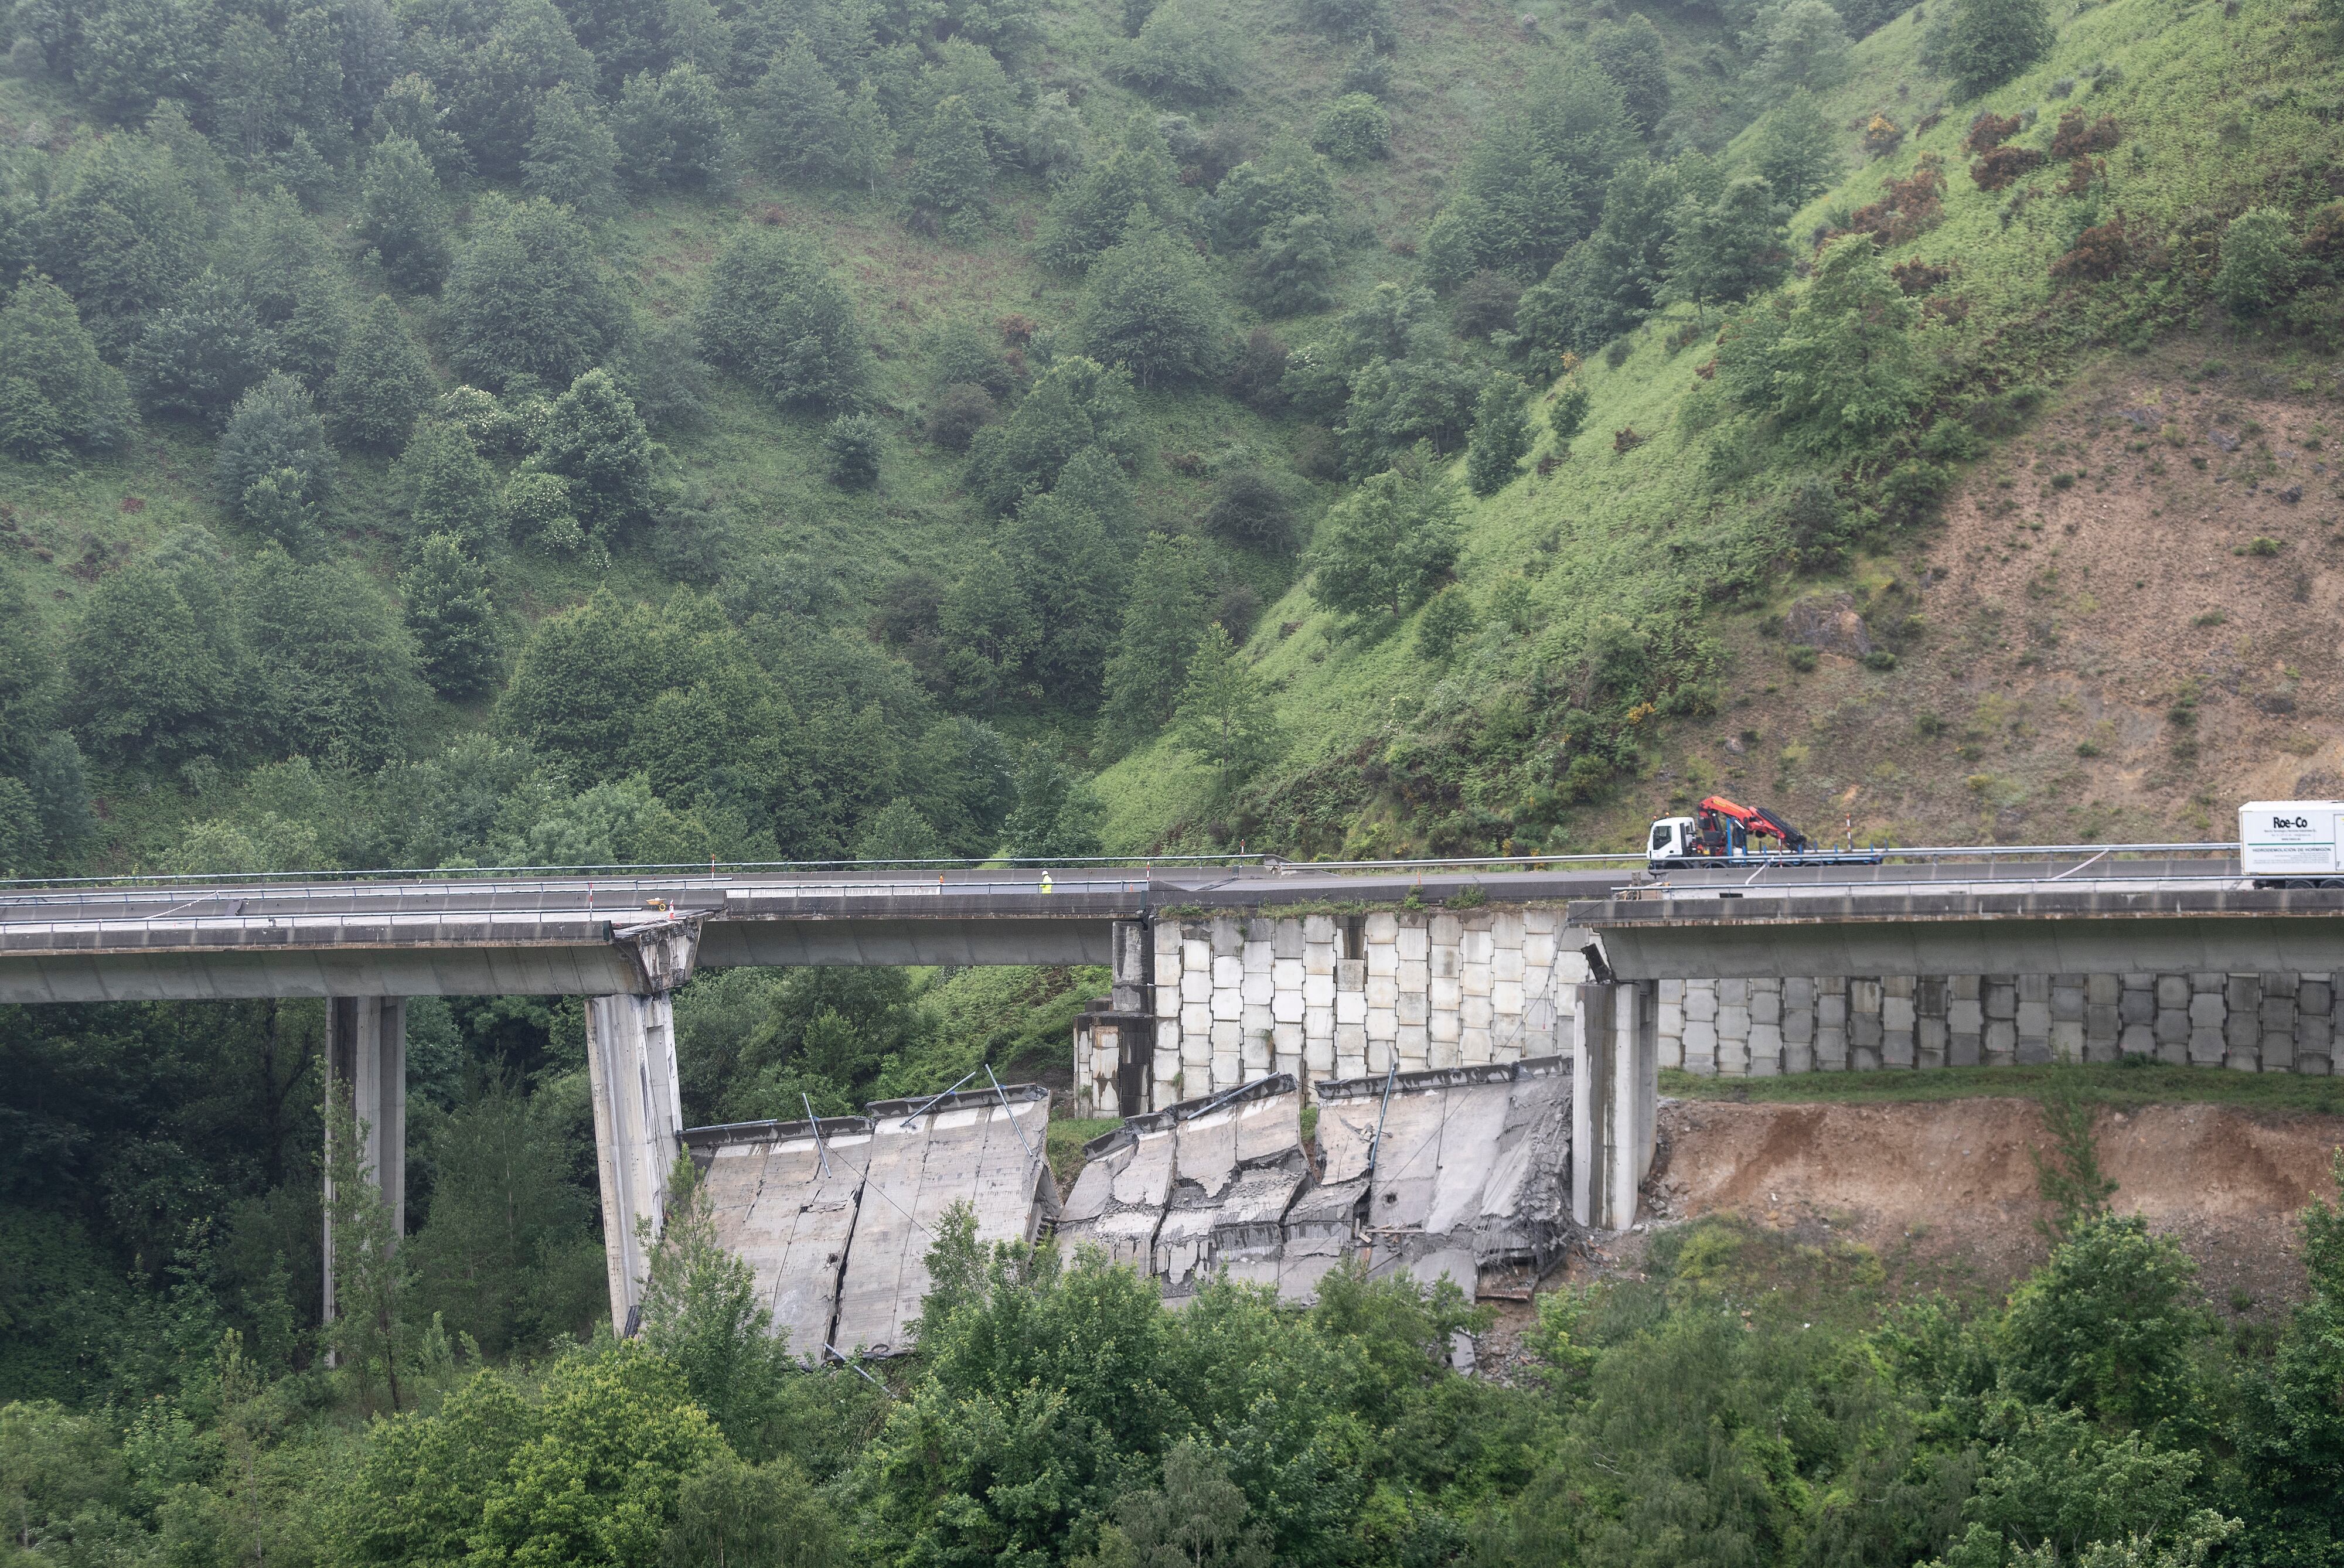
(2216, 107)
(2123, 1086)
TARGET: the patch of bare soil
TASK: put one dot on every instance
(2125, 625)
(1944, 1192)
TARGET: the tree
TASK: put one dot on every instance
(369, 1330)
(950, 169)
(2292, 1444)
(1065, 570)
(774, 312)
(155, 666)
(338, 673)
(122, 237)
(275, 432)
(400, 215)
(454, 625)
(528, 298)
(1566, 415)
(800, 126)
(1388, 544)
(1803, 44)
(1795, 151)
(599, 1480)
(1075, 404)
(410, 108)
(1353, 129)
(1836, 366)
(899, 833)
(851, 446)
(2106, 1328)
(671, 131)
(55, 394)
(1427, 396)
(1612, 280)
(702, 1313)
(1370, 20)
(2260, 262)
(1291, 272)
(445, 486)
(1729, 248)
(250, 89)
(1197, 1516)
(1223, 718)
(26, 675)
(594, 439)
(1150, 305)
(1991, 41)
(1184, 52)
(134, 51)
(1250, 511)
(1287, 181)
(730, 1514)
(1448, 619)
(200, 355)
(535, 508)
(1501, 435)
(493, 92)
(1090, 214)
(1058, 811)
(1632, 54)
(292, 280)
(574, 159)
(382, 382)
(1529, 187)
(1163, 615)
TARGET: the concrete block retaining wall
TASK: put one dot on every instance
(2277, 1022)
(1204, 1004)
(1235, 998)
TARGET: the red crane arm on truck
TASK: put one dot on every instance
(1756, 821)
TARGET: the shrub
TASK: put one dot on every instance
(55, 393)
(1368, 19)
(960, 411)
(671, 131)
(1352, 129)
(528, 298)
(851, 445)
(1485, 303)
(2076, 138)
(1446, 620)
(1566, 415)
(1991, 41)
(1990, 130)
(2099, 253)
(1183, 53)
(1502, 435)
(2260, 262)
(2001, 167)
(274, 432)
(1151, 305)
(1292, 268)
(1251, 513)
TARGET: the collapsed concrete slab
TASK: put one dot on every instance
(983, 1149)
(1462, 1170)
(1119, 1200)
(834, 1218)
(1238, 1164)
(785, 1198)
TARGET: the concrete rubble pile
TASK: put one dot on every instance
(834, 1218)
(1470, 1177)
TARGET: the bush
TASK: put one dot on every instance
(1446, 620)
(1291, 272)
(1352, 129)
(55, 393)
(1566, 415)
(960, 411)
(1184, 52)
(1991, 41)
(530, 299)
(671, 131)
(1502, 435)
(774, 312)
(1077, 403)
(2260, 262)
(1151, 305)
(851, 445)
(1250, 511)
(1368, 19)
(1485, 303)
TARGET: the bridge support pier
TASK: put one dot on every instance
(1615, 1100)
(366, 1058)
(638, 1124)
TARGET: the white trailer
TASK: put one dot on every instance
(2292, 843)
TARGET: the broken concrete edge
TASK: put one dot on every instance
(704, 1141)
(957, 1100)
(1371, 1086)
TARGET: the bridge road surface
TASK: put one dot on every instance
(567, 935)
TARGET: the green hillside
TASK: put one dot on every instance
(1657, 577)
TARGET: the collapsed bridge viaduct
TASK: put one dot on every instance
(1223, 976)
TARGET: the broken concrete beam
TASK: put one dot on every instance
(1119, 1200)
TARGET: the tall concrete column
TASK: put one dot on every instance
(366, 1058)
(1615, 1101)
(638, 1124)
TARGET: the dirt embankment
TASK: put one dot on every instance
(1945, 1192)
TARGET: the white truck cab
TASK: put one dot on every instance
(1671, 842)
(2291, 842)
